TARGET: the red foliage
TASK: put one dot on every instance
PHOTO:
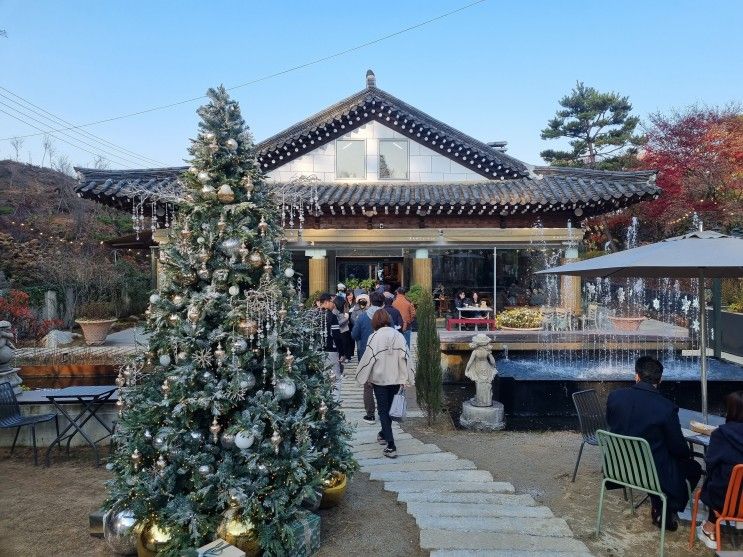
(14, 307)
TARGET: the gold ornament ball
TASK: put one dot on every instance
(255, 259)
(240, 532)
(282, 313)
(193, 314)
(334, 487)
(225, 194)
(215, 428)
(263, 226)
(151, 538)
(249, 327)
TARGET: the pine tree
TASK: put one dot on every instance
(229, 414)
(428, 377)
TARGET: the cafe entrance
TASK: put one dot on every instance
(388, 270)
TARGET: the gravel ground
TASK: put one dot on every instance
(44, 512)
(541, 464)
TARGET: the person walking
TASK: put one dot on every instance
(361, 331)
(395, 316)
(387, 365)
(333, 342)
(407, 310)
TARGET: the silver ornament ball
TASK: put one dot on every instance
(164, 360)
(247, 381)
(205, 469)
(285, 389)
(231, 144)
(118, 531)
(234, 290)
(289, 272)
(154, 298)
(203, 176)
(240, 346)
(244, 439)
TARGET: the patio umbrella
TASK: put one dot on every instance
(701, 254)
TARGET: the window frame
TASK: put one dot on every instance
(337, 150)
(379, 154)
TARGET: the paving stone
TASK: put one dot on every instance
(459, 539)
(402, 450)
(425, 457)
(449, 486)
(460, 510)
(453, 476)
(398, 465)
(520, 499)
(505, 553)
(556, 527)
(373, 440)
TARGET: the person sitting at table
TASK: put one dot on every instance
(476, 302)
(641, 411)
(461, 300)
(724, 452)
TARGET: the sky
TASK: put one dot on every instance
(495, 70)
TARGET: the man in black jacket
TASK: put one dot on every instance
(333, 342)
(641, 411)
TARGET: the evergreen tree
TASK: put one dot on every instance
(428, 377)
(600, 128)
(229, 415)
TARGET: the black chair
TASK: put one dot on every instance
(591, 416)
(10, 417)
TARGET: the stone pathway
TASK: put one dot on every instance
(461, 511)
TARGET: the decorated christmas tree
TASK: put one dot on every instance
(227, 421)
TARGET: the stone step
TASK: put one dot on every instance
(430, 457)
(460, 510)
(398, 465)
(554, 527)
(432, 497)
(373, 440)
(403, 450)
(459, 539)
(505, 553)
(448, 486)
(434, 477)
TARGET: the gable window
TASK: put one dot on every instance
(393, 159)
(350, 159)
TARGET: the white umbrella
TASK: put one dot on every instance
(702, 254)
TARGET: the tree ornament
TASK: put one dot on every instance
(267, 268)
(227, 439)
(247, 380)
(205, 470)
(221, 276)
(173, 318)
(203, 272)
(165, 360)
(234, 290)
(120, 404)
(197, 436)
(248, 327)
(159, 441)
(120, 380)
(119, 531)
(207, 376)
(186, 232)
(240, 346)
(147, 435)
(240, 532)
(282, 313)
(276, 440)
(193, 314)
(203, 177)
(221, 224)
(262, 226)
(231, 144)
(244, 252)
(225, 194)
(285, 389)
(210, 136)
(208, 192)
(288, 359)
(154, 298)
(151, 539)
(247, 184)
(289, 272)
(165, 388)
(215, 428)
(213, 148)
(244, 439)
(136, 459)
(262, 469)
(255, 259)
(230, 246)
(323, 409)
(193, 170)
(220, 354)
(161, 464)
(202, 256)
(181, 356)
(177, 300)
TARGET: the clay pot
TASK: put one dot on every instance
(626, 323)
(95, 331)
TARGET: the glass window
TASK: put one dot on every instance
(350, 159)
(393, 159)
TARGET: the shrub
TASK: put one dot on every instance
(415, 294)
(14, 307)
(96, 310)
(428, 376)
(520, 318)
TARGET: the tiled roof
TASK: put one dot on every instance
(547, 188)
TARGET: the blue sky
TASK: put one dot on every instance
(495, 70)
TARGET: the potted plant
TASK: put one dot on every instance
(627, 320)
(520, 319)
(96, 319)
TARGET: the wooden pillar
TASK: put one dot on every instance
(422, 270)
(570, 290)
(318, 271)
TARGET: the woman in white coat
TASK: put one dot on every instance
(387, 365)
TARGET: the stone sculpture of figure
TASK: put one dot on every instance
(481, 369)
(6, 346)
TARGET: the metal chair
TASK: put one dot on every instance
(591, 417)
(732, 510)
(591, 316)
(10, 417)
(629, 462)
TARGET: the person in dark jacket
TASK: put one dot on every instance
(393, 312)
(724, 452)
(333, 343)
(641, 411)
(362, 328)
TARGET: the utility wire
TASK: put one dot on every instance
(265, 77)
(36, 109)
(52, 133)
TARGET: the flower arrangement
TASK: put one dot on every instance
(520, 318)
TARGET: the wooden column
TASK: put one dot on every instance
(570, 291)
(422, 270)
(318, 271)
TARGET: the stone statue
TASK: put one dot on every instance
(7, 350)
(481, 369)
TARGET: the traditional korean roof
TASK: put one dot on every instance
(548, 188)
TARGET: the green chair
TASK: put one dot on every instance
(629, 463)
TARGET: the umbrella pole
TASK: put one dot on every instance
(703, 343)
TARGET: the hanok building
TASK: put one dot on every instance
(397, 193)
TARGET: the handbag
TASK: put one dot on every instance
(399, 405)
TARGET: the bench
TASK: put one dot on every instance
(489, 323)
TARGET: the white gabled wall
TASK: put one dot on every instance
(426, 165)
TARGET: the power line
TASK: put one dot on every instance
(265, 77)
(97, 150)
(52, 117)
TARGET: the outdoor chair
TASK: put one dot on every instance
(10, 417)
(548, 317)
(732, 510)
(629, 462)
(591, 316)
(563, 320)
(591, 417)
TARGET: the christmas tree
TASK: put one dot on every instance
(227, 421)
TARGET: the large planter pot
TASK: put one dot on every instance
(95, 331)
(626, 323)
(333, 490)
